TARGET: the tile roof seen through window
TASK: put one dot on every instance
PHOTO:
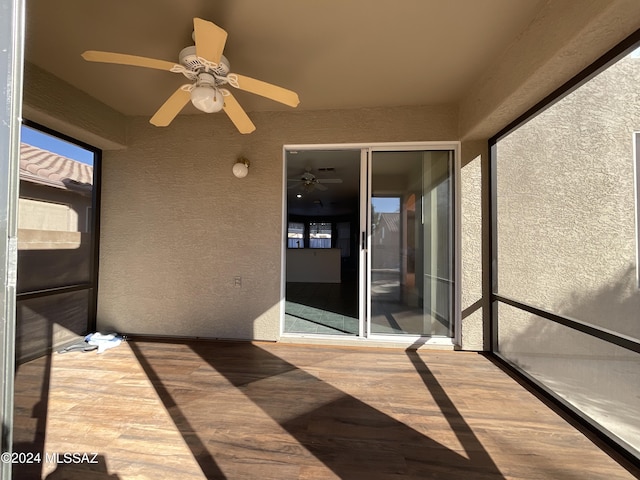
(391, 221)
(47, 168)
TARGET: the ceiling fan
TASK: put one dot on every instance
(208, 70)
(308, 181)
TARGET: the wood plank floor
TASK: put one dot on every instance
(231, 410)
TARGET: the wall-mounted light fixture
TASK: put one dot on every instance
(241, 167)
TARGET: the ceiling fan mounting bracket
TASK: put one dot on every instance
(193, 65)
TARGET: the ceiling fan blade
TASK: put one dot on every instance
(171, 108)
(210, 40)
(125, 59)
(268, 90)
(319, 186)
(237, 114)
(329, 180)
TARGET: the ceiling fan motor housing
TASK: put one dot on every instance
(190, 60)
(308, 177)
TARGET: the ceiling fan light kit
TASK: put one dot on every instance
(205, 66)
(205, 96)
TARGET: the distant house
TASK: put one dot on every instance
(55, 192)
(386, 237)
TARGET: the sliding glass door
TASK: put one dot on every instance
(370, 241)
(411, 268)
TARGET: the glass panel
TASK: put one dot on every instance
(48, 322)
(412, 243)
(295, 235)
(54, 221)
(322, 261)
(319, 235)
(44, 263)
(600, 379)
(54, 242)
(566, 218)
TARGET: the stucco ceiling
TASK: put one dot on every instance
(334, 53)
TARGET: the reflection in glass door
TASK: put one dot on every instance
(322, 256)
(411, 243)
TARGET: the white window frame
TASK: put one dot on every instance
(636, 164)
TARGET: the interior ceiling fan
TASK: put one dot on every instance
(308, 181)
(208, 70)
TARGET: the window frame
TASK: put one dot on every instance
(319, 225)
(636, 171)
(306, 234)
(94, 229)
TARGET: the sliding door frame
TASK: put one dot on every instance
(11, 68)
(454, 148)
(365, 216)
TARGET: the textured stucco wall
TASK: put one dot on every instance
(473, 244)
(566, 213)
(177, 227)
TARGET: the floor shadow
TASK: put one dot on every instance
(30, 412)
(91, 468)
(350, 437)
(319, 323)
(36, 337)
(198, 448)
(472, 446)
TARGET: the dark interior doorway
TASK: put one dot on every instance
(323, 229)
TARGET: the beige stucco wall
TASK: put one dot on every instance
(566, 213)
(474, 233)
(177, 226)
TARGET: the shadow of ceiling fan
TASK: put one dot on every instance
(308, 182)
(208, 70)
